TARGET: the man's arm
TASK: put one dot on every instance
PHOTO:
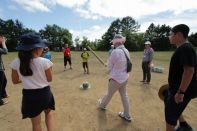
(186, 79)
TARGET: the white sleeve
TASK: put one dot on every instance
(47, 64)
(112, 60)
(15, 64)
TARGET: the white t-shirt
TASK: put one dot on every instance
(117, 64)
(38, 80)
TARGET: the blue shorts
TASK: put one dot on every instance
(172, 109)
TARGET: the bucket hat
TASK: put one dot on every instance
(31, 41)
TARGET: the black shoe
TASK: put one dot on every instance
(184, 128)
(3, 102)
(142, 81)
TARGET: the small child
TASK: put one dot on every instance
(47, 53)
(85, 55)
(35, 73)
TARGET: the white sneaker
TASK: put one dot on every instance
(126, 118)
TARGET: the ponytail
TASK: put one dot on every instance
(25, 59)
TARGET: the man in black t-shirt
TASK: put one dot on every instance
(182, 79)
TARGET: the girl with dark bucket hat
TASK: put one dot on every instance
(35, 73)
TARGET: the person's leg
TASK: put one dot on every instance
(112, 88)
(148, 72)
(49, 119)
(87, 67)
(1, 84)
(84, 67)
(169, 127)
(36, 123)
(144, 71)
(70, 63)
(173, 111)
(124, 99)
(65, 62)
(4, 93)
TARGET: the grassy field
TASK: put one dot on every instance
(76, 109)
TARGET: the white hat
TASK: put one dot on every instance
(147, 43)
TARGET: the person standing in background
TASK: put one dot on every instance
(85, 56)
(67, 56)
(146, 62)
(47, 53)
(3, 79)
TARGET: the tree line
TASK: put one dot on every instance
(127, 26)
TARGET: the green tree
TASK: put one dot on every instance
(158, 35)
(193, 39)
(57, 36)
(125, 26)
(12, 30)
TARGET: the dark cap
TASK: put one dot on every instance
(184, 29)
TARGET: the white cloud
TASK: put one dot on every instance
(92, 33)
(69, 3)
(33, 5)
(138, 8)
(188, 19)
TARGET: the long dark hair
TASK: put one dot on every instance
(25, 59)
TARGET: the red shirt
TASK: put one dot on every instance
(66, 52)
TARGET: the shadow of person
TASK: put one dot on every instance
(121, 126)
(102, 120)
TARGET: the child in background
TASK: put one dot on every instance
(35, 73)
(85, 55)
(47, 53)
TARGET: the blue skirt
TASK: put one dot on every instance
(34, 101)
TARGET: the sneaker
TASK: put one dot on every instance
(126, 118)
(184, 128)
(99, 105)
(3, 102)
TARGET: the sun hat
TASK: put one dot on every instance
(162, 90)
(147, 43)
(118, 38)
(31, 41)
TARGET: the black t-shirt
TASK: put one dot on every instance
(185, 55)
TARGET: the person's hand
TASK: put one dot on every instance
(2, 40)
(178, 98)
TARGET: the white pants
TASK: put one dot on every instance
(113, 86)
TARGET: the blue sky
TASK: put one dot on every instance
(92, 18)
